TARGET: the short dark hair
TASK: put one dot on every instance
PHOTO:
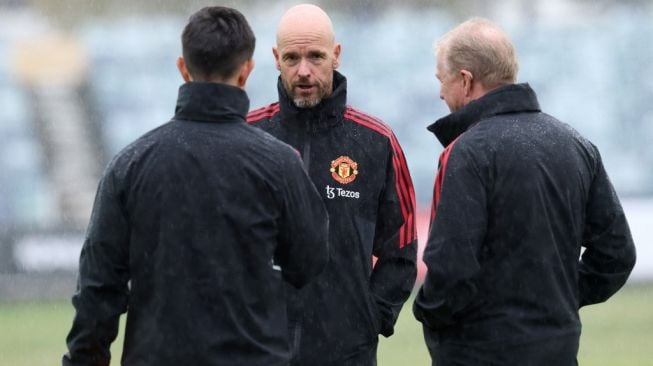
(215, 42)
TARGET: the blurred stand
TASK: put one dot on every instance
(81, 79)
(50, 72)
(53, 70)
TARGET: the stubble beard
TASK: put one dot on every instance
(308, 102)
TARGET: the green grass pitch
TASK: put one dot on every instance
(619, 332)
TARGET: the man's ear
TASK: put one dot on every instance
(336, 54)
(245, 71)
(183, 70)
(467, 80)
(275, 52)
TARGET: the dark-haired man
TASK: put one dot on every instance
(356, 162)
(201, 217)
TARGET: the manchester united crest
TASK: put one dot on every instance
(344, 170)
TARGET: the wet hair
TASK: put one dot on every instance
(215, 42)
(482, 48)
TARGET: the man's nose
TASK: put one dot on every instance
(304, 69)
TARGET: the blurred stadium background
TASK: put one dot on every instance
(79, 79)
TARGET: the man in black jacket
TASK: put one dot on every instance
(357, 164)
(517, 196)
(197, 224)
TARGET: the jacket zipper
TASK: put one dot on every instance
(307, 146)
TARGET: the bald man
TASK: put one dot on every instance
(355, 161)
(517, 195)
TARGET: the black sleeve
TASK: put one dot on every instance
(395, 242)
(303, 245)
(102, 287)
(609, 254)
(458, 226)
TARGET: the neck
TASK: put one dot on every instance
(482, 90)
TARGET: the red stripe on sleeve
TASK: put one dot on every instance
(263, 112)
(439, 178)
(403, 182)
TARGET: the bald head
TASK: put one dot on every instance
(306, 54)
(305, 20)
(482, 48)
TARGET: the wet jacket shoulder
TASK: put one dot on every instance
(359, 168)
(518, 193)
(200, 217)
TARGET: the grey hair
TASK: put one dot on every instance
(482, 48)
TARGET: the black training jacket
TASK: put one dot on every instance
(360, 171)
(517, 195)
(195, 226)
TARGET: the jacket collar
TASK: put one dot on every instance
(324, 115)
(211, 102)
(513, 98)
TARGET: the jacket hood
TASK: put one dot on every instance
(211, 102)
(513, 98)
(324, 115)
